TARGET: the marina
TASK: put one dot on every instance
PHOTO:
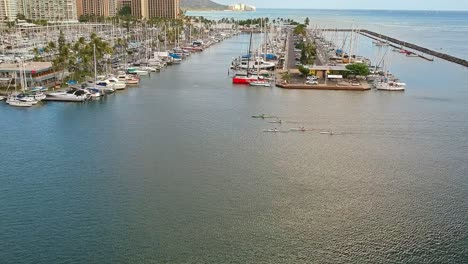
(179, 169)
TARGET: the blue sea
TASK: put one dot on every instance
(444, 31)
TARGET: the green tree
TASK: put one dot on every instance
(61, 40)
(358, 69)
(286, 76)
(307, 21)
(125, 11)
(304, 71)
(304, 57)
(300, 30)
(20, 16)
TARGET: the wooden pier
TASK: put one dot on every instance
(399, 43)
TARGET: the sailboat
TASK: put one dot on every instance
(245, 79)
(21, 100)
(389, 83)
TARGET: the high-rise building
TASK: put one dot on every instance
(163, 8)
(79, 8)
(97, 7)
(8, 10)
(112, 7)
(51, 10)
(140, 8)
(155, 8)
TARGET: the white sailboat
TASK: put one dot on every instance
(21, 100)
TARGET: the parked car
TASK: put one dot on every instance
(312, 82)
(312, 78)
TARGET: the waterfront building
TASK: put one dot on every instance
(155, 8)
(37, 74)
(106, 8)
(50, 10)
(8, 10)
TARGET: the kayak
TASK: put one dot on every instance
(300, 129)
(263, 116)
(274, 131)
(276, 122)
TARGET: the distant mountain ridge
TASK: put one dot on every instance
(201, 5)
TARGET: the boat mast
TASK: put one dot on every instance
(95, 66)
(248, 55)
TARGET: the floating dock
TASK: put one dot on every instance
(364, 87)
(400, 43)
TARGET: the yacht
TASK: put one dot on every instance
(263, 83)
(118, 85)
(94, 92)
(257, 64)
(14, 101)
(149, 69)
(105, 83)
(71, 95)
(25, 98)
(390, 86)
(38, 93)
(129, 80)
(137, 72)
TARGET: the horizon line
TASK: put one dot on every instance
(343, 9)
(369, 9)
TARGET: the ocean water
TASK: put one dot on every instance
(177, 171)
(444, 31)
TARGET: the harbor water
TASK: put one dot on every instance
(177, 171)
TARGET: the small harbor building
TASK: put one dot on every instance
(36, 74)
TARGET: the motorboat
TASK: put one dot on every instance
(95, 92)
(390, 86)
(118, 85)
(37, 93)
(176, 60)
(101, 88)
(137, 72)
(260, 83)
(149, 69)
(105, 83)
(129, 80)
(71, 95)
(25, 98)
(13, 101)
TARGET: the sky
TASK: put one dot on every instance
(456, 5)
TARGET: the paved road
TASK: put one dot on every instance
(290, 59)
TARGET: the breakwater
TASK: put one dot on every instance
(437, 54)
